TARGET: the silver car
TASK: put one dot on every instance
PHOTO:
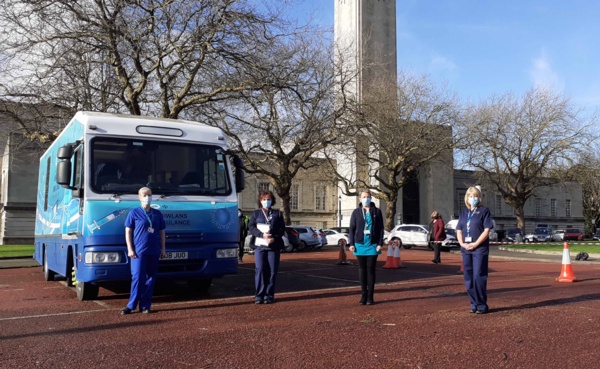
(308, 237)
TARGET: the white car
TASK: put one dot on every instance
(411, 235)
(336, 236)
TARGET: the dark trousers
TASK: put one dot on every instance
(143, 276)
(266, 261)
(436, 250)
(366, 275)
(241, 250)
(475, 267)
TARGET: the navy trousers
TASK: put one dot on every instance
(475, 265)
(267, 264)
(143, 276)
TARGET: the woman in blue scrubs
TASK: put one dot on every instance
(472, 231)
(145, 237)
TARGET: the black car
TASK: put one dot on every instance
(293, 237)
(511, 235)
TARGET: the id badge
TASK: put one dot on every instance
(367, 231)
(150, 230)
(468, 239)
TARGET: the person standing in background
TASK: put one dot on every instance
(439, 234)
(243, 234)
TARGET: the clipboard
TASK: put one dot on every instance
(264, 228)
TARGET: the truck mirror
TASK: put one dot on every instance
(63, 173)
(65, 152)
(240, 182)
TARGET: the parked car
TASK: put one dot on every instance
(411, 235)
(293, 237)
(539, 235)
(451, 240)
(514, 235)
(322, 238)
(573, 234)
(336, 237)
(308, 237)
(558, 235)
(596, 236)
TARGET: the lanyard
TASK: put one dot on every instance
(265, 215)
(469, 217)
(364, 214)
(147, 217)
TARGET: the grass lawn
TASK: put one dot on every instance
(16, 250)
(573, 247)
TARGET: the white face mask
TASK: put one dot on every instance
(146, 200)
(366, 201)
(473, 201)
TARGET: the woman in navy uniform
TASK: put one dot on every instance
(365, 238)
(145, 237)
(472, 231)
(268, 228)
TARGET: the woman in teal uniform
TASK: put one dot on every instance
(366, 240)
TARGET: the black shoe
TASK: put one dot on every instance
(268, 302)
(363, 301)
(370, 302)
(435, 261)
(472, 311)
(258, 302)
(481, 311)
(146, 311)
(126, 311)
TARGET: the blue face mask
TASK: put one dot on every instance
(473, 201)
(266, 203)
(366, 201)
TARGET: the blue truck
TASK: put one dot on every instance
(88, 182)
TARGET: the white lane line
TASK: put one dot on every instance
(50, 315)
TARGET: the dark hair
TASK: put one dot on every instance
(266, 193)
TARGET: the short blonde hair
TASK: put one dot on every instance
(435, 214)
(472, 191)
(146, 190)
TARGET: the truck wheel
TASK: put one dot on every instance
(87, 291)
(48, 274)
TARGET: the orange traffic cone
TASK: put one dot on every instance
(566, 274)
(342, 259)
(389, 260)
(397, 260)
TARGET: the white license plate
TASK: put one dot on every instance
(179, 255)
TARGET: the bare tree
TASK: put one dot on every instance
(587, 172)
(277, 130)
(398, 129)
(155, 57)
(519, 144)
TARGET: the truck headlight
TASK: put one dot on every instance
(102, 257)
(227, 253)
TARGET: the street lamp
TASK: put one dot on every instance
(339, 210)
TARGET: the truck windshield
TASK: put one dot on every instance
(123, 166)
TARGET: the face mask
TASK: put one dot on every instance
(473, 201)
(366, 201)
(146, 200)
(266, 203)
(239, 214)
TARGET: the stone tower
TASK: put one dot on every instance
(365, 38)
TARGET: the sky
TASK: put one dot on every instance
(481, 48)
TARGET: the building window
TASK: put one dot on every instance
(553, 208)
(320, 196)
(263, 186)
(538, 207)
(568, 208)
(498, 204)
(294, 197)
(461, 201)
